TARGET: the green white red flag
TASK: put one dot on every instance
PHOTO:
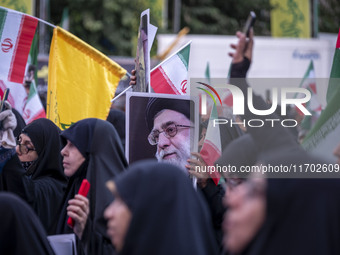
(333, 85)
(313, 105)
(33, 108)
(17, 31)
(324, 136)
(171, 76)
(16, 34)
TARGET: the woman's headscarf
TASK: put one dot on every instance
(302, 215)
(168, 215)
(21, 231)
(43, 184)
(44, 135)
(117, 119)
(99, 143)
(302, 218)
(20, 123)
(240, 152)
(229, 134)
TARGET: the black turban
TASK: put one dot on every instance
(156, 104)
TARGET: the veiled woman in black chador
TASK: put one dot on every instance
(163, 213)
(35, 172)
(92, 150)
(21, 231)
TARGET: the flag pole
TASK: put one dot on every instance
(121, 93)
(43, 21)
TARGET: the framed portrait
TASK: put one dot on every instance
(141, 109)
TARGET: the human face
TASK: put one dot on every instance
(31, 155)
(336, 153)
(72, 159)
(175, 150)
(245, 215)
(118, 217)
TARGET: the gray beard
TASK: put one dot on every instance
(182, 155)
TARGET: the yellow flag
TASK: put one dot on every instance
(290, 18)
(81, 80)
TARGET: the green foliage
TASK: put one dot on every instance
(329, 16)
(224, 17)
(111, 26)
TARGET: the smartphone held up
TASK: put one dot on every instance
(249, 23)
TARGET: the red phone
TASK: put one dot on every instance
(83, 190)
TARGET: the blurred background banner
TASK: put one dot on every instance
(25, 6)
(290, 18)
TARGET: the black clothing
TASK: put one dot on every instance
(240, 152)
(21, 231)
(302, 215)
(213, 195)
(42, 186)
(266, 138)
(168, 215)
(117, 119)
(302, 218)
(228, 134)
(99, 143)
(20, 123)
(272, 142)
(157, 104)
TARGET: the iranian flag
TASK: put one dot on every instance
(18, 52)
(212, 148)
(171, 76)
(324, 136)
(333, 85)
(33, 108)
(227, 98)
(16, 34)
(313, 105)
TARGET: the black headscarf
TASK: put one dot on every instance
(157, 104)
(168, 215)
(302, 215)
(44, 135)
(44, 183)
(21, 231)
(239, 152)
(117, 119)
(99, 143)
(20, 123)
(228, 134)
(302, 218)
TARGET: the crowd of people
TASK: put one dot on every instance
(152, 206)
